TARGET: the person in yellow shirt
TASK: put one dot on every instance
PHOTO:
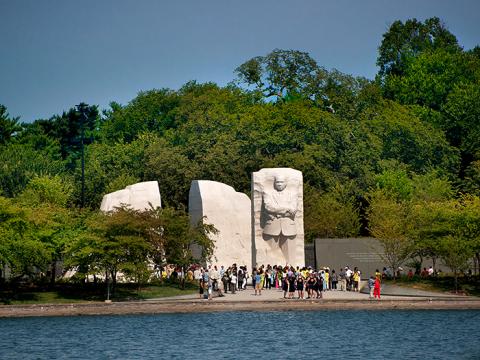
(356, 279)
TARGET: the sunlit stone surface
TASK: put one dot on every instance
(139, 196)
(277, 217)
(229, 212)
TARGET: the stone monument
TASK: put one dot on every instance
(138, 196)
(229, 212)
(277, 217)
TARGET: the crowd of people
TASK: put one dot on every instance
(295, 282)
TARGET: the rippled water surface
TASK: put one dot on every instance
(247, 335)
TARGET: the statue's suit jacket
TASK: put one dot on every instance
(276, 203)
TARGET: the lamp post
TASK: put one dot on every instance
(82, 135)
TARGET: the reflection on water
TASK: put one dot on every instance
(247, 335)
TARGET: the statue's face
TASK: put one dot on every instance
(279, 184)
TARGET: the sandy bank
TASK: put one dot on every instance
(161, 307)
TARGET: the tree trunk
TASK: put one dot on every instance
(114, 281)
(108, 284)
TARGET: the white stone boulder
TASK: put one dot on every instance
(229, 211)
(277, 217)
(139, 196)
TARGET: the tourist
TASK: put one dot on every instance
(431, 271)
(210, 288)
(215, 276)
(356, 279)
(220, 288)
(225, 281)
(262, 277)
(233, 281)
(300, 281)
(201, 288)
(258, 282)
(325, 279)
(197, 274)
(280, 277)
(410, 274)
(376, 289)
(268, 279)
(343, 280)
(334, 278)
(291, 284)
(319, 286)
(190, 275)
(371, 284)
(240, 275)
(285, 286)
(207, 284)
(311, 284)
(348, 277)
(274, 276)
(245, 278)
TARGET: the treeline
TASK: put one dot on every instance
(397, 157)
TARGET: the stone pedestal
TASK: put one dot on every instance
(277, 217)
(139, 196)
(229, 212)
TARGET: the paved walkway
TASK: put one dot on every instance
(392, 293)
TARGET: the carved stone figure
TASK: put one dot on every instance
(229, 212)
(138, 196)
(280, 209)
(277, 217)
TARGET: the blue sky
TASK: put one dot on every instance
(55, 54)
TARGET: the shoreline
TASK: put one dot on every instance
(205, 306)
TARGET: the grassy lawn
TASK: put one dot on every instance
(66, 294)
(441, 284)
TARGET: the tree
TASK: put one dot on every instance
(149, 111)
(21, 162)
(133, 242)
(47, 201)
(461, 119)
(330, 215)
(8, 126)
(389, 222)
(428, 78)
(180, 237)
(111, 167)
(409, 140)
(21, 249)
(109, 244)
(281, 73)
(405, 40)
(72, 129)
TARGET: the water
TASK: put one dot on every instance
(247, 335)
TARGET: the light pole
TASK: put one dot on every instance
(82, 135)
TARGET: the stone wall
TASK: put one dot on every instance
(229, 212)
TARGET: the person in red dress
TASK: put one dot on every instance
(376, 289)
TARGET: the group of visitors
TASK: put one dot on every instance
(303, 283)
(304, 280)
